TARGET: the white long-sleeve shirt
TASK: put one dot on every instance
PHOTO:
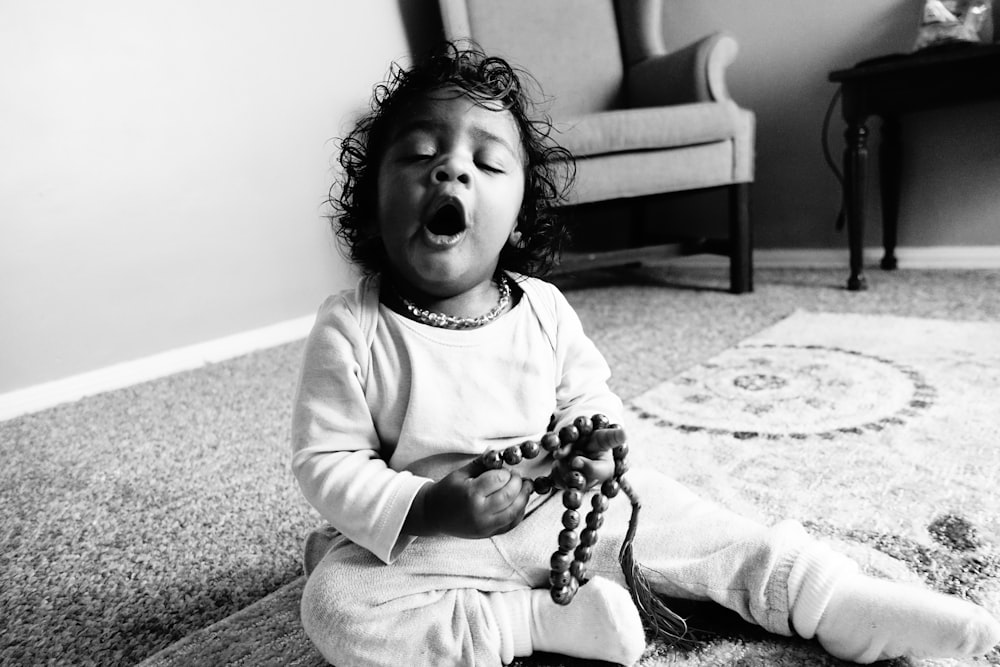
(386, 404)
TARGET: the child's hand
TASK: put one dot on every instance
(475, 502)
(593, 458)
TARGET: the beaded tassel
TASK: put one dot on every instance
(568, 564)
(660, 619)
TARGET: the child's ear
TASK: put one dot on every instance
(515, 237)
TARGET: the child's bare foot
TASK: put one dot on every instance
(871, 619)
(600, 624)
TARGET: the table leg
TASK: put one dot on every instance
(889, 160)
(740, 239)
(855, 163)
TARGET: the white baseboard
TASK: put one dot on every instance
(73, 388)
(938, 257)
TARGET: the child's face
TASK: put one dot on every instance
(450, 187)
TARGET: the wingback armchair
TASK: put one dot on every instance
(641, 119)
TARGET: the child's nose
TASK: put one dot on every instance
(451, 169)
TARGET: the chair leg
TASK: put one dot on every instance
(740, 239)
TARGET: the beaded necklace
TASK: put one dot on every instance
(451, 322)
(568, 564)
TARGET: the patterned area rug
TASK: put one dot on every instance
(880, 434)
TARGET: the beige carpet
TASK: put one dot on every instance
(881, 434)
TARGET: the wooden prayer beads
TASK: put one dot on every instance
(568, 564)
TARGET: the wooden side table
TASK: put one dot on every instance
(889, 87)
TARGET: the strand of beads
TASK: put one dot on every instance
(495, 458)
(568, 564)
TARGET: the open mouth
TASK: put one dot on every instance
(447, 220)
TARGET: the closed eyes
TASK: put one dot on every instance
(488, 164)
(492, 168)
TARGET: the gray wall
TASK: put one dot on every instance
(788, 47)
(163, 168)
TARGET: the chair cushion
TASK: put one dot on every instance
(701, 164)
(649, 128)
(625, 175)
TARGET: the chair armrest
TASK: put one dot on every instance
(695, 73)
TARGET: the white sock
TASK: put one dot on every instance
(601, 623)
(868, 619)
(512, 610)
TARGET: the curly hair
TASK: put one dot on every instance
(487, 81)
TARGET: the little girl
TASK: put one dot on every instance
(450, 347)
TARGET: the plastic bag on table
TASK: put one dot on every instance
(952, 21)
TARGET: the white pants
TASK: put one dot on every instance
(431, 606)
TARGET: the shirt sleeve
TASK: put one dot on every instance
(582, 371)
(335, 447)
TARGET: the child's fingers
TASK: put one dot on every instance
(606, 439)
(501, 495)
(593, 468)
(494, 481)
(478, 466)
(508, 517)
(563, 451)
(594, 471)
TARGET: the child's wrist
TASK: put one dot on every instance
(419, 521)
